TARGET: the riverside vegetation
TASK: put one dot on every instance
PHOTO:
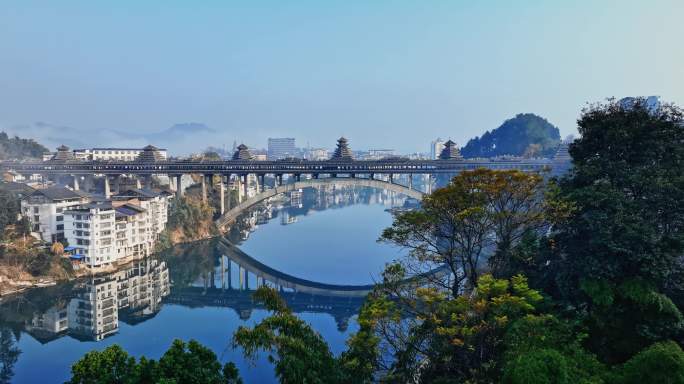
(577, 280)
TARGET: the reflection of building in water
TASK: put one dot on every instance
(50, 324)
(296, 198)
(93, 313)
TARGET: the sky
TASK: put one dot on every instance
(385, 74)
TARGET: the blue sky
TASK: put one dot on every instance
(385, 74)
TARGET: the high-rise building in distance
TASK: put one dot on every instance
(436, 147)
(280, 148)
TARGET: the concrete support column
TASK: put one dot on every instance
(204, 188)
(88, 183)
(371, 176)
(410, 181)
(298, 177)
(315, 176)
(179, 186)
(76, 186)
(241, 275)
(239, 187)
(279, 180)
(148, 181)
(222, 192)
(107, 191)
(246, 185)
(138, 183)
(262, 182)
(391, 178)
(352, 175)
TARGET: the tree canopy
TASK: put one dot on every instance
(16, 148)
(525, 134)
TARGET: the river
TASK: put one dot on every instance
(314, 239)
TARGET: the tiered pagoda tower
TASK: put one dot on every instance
(342, 152)
(450, 152)
(63, 154)
(150, 154)
(242, 153)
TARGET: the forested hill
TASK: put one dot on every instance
(524, 135)
(18, 148)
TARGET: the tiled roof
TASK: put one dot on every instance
(57, 193)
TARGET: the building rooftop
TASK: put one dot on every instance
(128, 210)
(59, 193)
(139, 193)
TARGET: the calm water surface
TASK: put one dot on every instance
(195, 291)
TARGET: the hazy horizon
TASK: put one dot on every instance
(384, 74)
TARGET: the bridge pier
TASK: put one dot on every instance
(76, 186)
(391, 178)
(107, 191)
(179, 186)
(87, 183)
(262, 183)
(204, 188)
(246, 185)
(278, 180)
(222, 192)
(410, 181)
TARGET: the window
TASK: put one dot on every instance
(60, 227)
(35, 209)
(59, 218)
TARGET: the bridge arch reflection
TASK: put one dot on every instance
(231, 215)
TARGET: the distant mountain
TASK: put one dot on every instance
(16, 148)
(524, 135)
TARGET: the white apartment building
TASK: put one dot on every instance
(133, 234)
(436, 148)
(113, 154)
(106, 232)
(89, 228)
(154, 203)
(45, 207)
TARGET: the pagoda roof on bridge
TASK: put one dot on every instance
(450, 152)
(242, 153)
(342, 152)
(150, 154)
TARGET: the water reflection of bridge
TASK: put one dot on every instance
(340, 308)
(231, 215)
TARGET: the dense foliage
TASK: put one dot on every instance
(621, 249)
(524, 135)
(16, 148)
(182, 363)
(9, 210)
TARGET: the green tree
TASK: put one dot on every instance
(543, 349)
(299, 353)
(456, 225)
(525, 134)
(624, 241)
(182, 363)
(452, 339)
(660, 363)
